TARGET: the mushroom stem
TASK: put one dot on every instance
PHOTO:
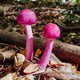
(46, 55)
(29, 43)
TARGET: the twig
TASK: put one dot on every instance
(11, 46)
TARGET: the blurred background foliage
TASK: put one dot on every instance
(68, 11)
(72, 7)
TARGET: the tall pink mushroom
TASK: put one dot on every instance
(27, 17)
(50, 32)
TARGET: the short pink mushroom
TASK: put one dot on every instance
(27, 17)
(50, 32)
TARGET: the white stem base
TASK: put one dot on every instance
(29, 42)
(46, 55)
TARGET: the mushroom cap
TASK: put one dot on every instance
(26, 17)
(51, 31)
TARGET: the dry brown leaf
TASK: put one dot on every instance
(15, 76)
(55, 73)
(54, 13)
(8, 54)
(78, 73)
(31, 68)
(9, 69)
(23, 52)
(20, 58)
(25, 64)
(21, 78)
(54, 64)
(37, 53)
(7, 77)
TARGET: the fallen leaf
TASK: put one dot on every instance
(31, 68)
(7, 77)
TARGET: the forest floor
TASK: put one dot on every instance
(67, 17)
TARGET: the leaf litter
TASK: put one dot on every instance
(21, 69)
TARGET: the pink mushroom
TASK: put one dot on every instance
(27, 17)
(50, 32)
